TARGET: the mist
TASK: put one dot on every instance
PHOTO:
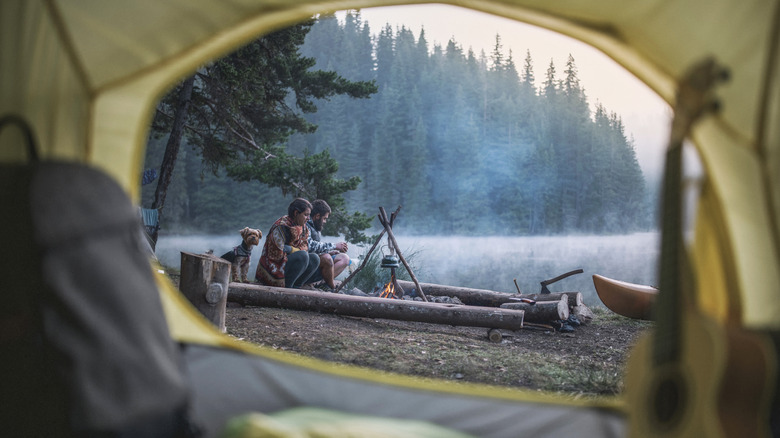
(486, 262)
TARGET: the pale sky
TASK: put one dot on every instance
(644, 114)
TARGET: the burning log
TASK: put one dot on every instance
(392, 289)
(542, 311)
(370, 307)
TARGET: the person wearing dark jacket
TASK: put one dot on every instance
(333, 257)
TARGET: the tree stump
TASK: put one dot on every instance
(204, 281)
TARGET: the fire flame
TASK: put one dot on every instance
(389, 289)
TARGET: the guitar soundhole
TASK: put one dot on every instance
(668, 402)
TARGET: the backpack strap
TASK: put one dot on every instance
(21, 123)
(32, 395)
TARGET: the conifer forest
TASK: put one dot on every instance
(488, 143)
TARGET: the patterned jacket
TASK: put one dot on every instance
(282, 236)
(316, 245)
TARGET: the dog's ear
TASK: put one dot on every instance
(244, 232)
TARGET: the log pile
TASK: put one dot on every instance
(505, 312)
(548, 304)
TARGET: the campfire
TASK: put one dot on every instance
(389, 290)
(392, 289)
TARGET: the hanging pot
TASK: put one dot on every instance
(389, 261)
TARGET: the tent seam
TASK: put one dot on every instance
(70, 49)
(761, 147)
(67, 43)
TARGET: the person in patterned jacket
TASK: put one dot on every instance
(286, 261)
(333, 257)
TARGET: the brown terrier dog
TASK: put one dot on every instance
(240, 255)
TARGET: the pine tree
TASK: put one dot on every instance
(244, 108)
(471, 137)
(528, 72)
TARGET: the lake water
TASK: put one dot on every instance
(487, 262)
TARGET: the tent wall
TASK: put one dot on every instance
(41, 81)
(268, 385)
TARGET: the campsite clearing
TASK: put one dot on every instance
(587, 362)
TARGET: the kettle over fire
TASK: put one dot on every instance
(389, 260)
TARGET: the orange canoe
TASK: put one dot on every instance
(627, 299)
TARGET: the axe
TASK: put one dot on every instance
(546, 283)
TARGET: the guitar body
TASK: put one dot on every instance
(693, 377)
(722, 385)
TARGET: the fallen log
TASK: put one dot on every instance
(370, 307)
(542, 311)
(489, 298)
(469, 296)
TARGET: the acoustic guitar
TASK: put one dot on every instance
(691, 376)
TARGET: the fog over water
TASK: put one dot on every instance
(487, 262)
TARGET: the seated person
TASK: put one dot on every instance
(286, 261)
(333, 257)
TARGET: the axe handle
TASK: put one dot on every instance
(561, 277)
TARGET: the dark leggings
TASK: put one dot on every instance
(300, 267)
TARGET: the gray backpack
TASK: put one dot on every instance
(84, 344)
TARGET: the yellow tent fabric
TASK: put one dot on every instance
(86, 74)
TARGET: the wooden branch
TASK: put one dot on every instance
(362, 264)
(391, 237)
(371, 307)
(398, 291)
(247, 138)
(382, 216)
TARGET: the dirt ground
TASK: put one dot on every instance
(588, 361)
